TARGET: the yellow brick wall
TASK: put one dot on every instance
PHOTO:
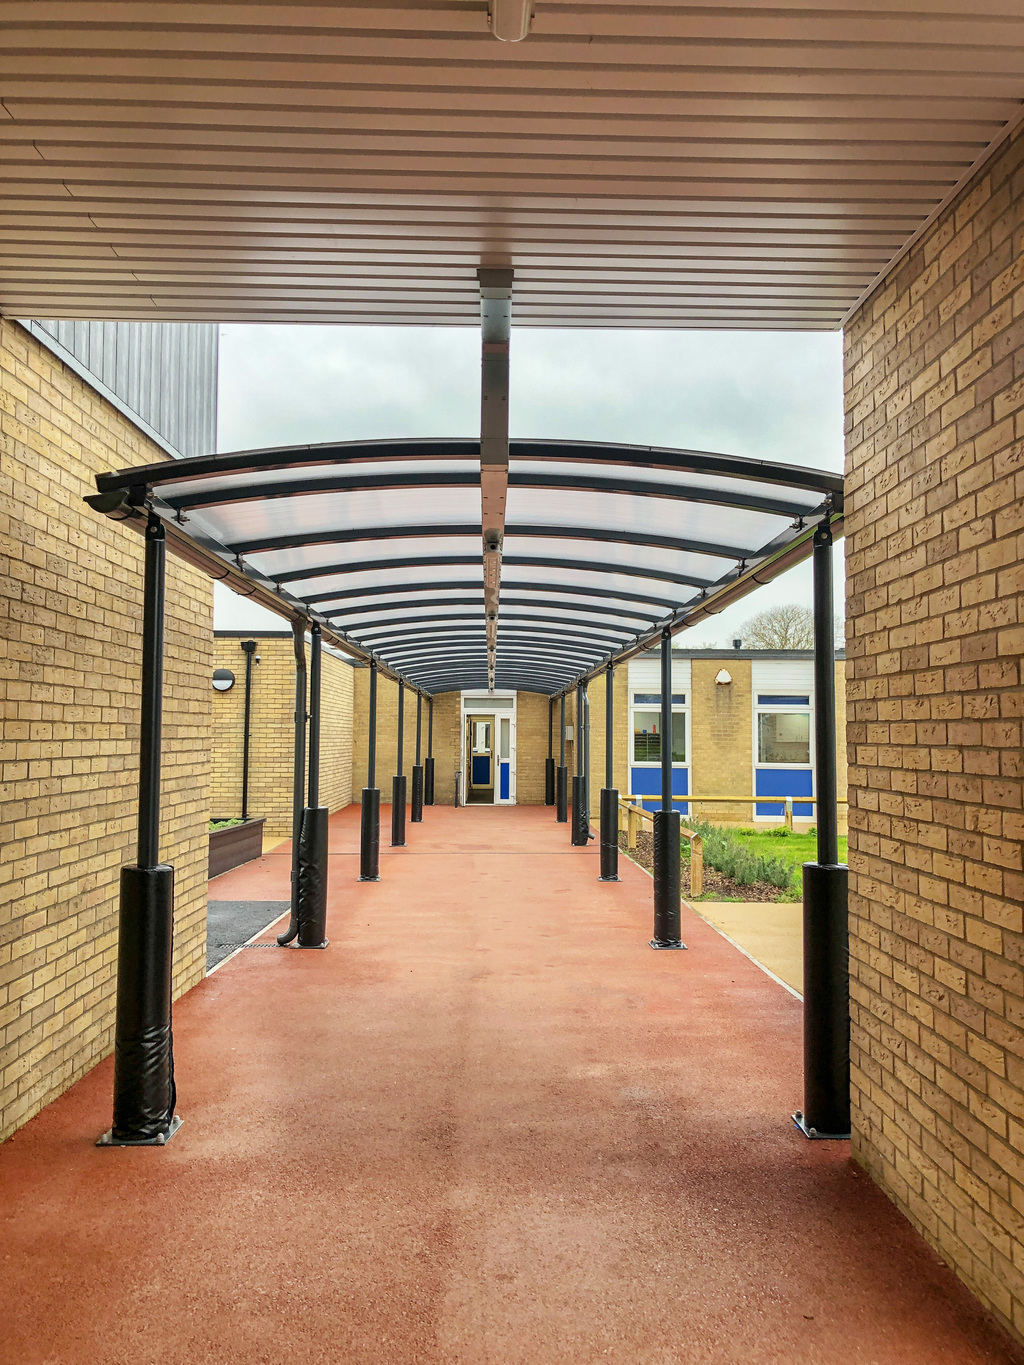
(722, 738)
(531, 747)
(70, 619)
(387, 733)
(271, 744)
(935, 479)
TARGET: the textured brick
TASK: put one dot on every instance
(70, 619)
(934, 651)
(272, 732)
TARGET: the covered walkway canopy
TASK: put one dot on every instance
(380, 542)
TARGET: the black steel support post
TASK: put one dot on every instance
(580, 823)
(313, 836)
(369, 816)
(667, 885)
(609, 796)
(549, 762)
(428, 765)
(298, 774)
(416, 804)
(586, 760)
(561, 774)
(144, 1093)
(826, 1111)
(249, 648)
(398, 782)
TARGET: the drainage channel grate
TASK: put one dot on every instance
(231, 947)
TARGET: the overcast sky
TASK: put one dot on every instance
(772, 396)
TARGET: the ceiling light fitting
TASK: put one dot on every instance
(510, 20)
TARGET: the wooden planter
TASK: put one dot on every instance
(235, 845)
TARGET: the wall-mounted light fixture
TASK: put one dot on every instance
(723, 677)
(510, 20)
(223, 680)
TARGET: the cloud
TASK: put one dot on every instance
(766, 395)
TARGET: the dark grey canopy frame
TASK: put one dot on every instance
(379, 544)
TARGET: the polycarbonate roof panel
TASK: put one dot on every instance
(672, 481)
(309, 558)
(249, 524)
(653, 560)
(382, 543)
(332, 587)
(290, 479)
(729, 527)
(517, 576)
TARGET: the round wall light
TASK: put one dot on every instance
(223, 680)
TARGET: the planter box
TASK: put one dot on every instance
(235, 845)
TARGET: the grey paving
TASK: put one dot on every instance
(230, 923)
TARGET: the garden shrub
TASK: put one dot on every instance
(727, 855)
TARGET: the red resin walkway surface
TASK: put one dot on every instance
(489, 1124)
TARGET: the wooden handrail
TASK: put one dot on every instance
(637, 815)
(786, 801)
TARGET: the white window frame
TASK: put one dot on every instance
(483, 704)
(772, 709)
(683, 708)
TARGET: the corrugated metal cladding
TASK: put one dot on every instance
(163, 372)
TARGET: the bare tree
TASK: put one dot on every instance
(785, 627)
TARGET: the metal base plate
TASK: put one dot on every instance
(108, 1139)
(315, 947)
(608, 879)
(368, 879)
(814, 1135)
(666, 943)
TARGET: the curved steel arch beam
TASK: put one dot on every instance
(443, 530)
(434, 448)
(456, 560)
(460, 585)
(384, 479)
(415, 603)
(438, 625)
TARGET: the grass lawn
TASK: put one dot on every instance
(790, 848)
(797, 849)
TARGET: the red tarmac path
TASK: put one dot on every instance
(489, 1124)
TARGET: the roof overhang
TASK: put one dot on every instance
(754, 165)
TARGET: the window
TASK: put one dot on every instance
(647, 727)
(784, 737)
(481, 736)
(487, 703)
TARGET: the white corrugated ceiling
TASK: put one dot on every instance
(654, 164)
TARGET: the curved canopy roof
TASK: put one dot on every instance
(380, 542)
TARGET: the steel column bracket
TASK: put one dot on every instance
(496, 331)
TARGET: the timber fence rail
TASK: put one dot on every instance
(637, 816)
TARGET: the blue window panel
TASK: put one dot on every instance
(646, 783)
(783, 701)
(654, 698)
(481, 770)
(505, 770)
(784, 782)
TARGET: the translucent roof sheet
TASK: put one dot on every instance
(381, 542)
